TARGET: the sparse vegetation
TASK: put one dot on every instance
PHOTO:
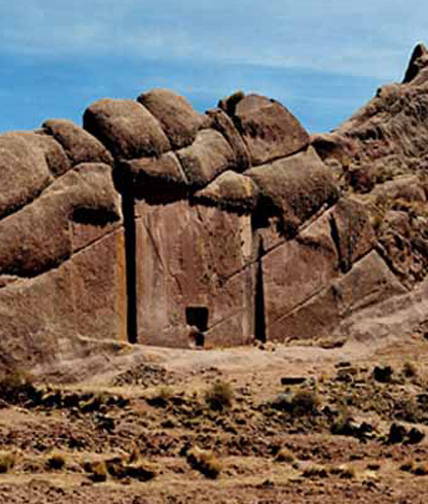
(55, 461)
(305, 402)
(220, 396)
(315, 471)
(410, 370)
(205, 462)
(17, 387)
(7, 461)
(285, 455)
(97, 470)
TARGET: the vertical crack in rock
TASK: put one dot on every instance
(336, 240)
(259, 299)
(130, 253)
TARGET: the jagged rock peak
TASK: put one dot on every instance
(418, 61)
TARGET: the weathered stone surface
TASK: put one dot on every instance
(126, 128)
(43, 317)
(352, 231)
(268, 128)
(417, 65)
(37, 319)
(410, 188)
(190, 257)
(99, 287)
(207, 157)
(24, 173)
(176, 115)
(56, 158)
(369, 282)
(296, 271)
(222, 123)
(232, 228)
(298, 186)
(78, 144)
(38, 237)
(155, 176)
(231, 191)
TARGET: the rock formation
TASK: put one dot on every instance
(159, 225)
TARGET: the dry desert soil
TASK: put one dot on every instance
(263, 424)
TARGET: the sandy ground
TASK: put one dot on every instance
(279, 423)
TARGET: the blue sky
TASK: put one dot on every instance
(322, 59)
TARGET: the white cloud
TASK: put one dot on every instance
(371, 38)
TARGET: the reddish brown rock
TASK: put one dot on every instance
(99, 287)
(222, 123)
(176, 115)
(24, 173)
(37, 319)
(206, 158)
(298, 186)
(78, 144)
(37, 237)
(231, 191)
(192, 258)
(56, 158)
(368, 283)
(297, 271)
(153, 177)
(268, 128)
(352, 231)
(126, 128)
(418, 65)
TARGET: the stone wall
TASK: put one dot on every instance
(154, 218)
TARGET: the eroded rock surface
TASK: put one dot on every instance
(157, 224)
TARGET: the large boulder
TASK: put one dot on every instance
(24, 173)
(38, 237)
(298, 186)
(126, 128)
(176, 115)
(78, 144)
(154, 177)
(268, 128)
(221, 122)
(231, 191)
(208, 156)
(55, 156)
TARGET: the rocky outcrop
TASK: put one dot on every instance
(380, 157)
(160, 225)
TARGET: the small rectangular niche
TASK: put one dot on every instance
(197, 317)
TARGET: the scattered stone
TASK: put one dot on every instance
(383, 374)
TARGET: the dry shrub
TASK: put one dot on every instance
(219, 396)
(409, 369)
(205, 462)
(97, 470)
(343, 471)
(305, 402)
(161, 396)
(342, 423)
(56, 461)
(141, 470)
(16, 387)
(7, 461)
(285, 455)
(420, 469)
(315, 471)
